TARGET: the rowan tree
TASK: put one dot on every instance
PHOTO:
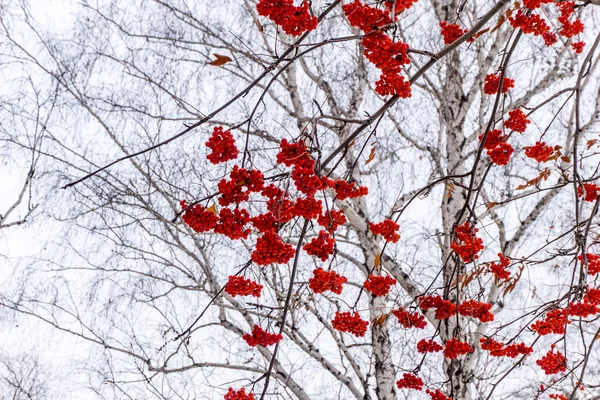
(320, 200)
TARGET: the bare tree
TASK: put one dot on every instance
(145, 83)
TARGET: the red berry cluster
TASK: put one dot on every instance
(578, 47)
(293, 20)
(322, 246)
(410, 381)
(388, 229)
(451, 32)
(554, 322)
(517, 121)
(222, 145)
(467, 245)
(493, 80)
(444, 309)
(410, 320)
(558, 397)
(271, 249)
(534, 24)
(331, 220)
(238, 188)
(499, 269)
(569, 29)
(589, 306)
(303, 172)
(240, 286)
(238, 395)
(232, 223)
(593, 263)
(428, 346)
(351, 323)
(260, 337)
(496, 146)
(591, 191)
(380, 49)
(346, 190)
(437, 395)
(455, 348)
(497, 349)
(553, 363)
(399, 5)
(476, 309)
(379, 285)
(309, 208)
(539, 152)
(326, 280)
(366, 18)
(198, 218)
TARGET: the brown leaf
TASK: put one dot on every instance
(501, 20)
(566, 159)
(491, 205)
(377, 260)
(590, 143)
(220, 60)
(212, 209)
(371, 155)
(475, 36)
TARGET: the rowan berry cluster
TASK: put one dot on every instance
(238, 395)
(578, 47)
(271, 249)
(331, 220)
(499, 269)
(492, 81)
(321, 247)
(351, 323)
(293, 20)
(554, 322)
(497, 148)
(437, 395)
(198, 218)
(380, 49)
(326, 280)
(222, 145)
(593, 263)
(379, 285)
(591, 192)
(232, 223)
(399, 5)
(346, 190)
(238, 188)
(497, 349)
(410, 320)
(455, 348)
(539, 152)
(388, 229)
(451, 32)
(558, 397)
(428, 346)
(589, 306)
(303, 172)
(308, 208)
(410, 381)
(467, 245)
(476, 309)
(240, 286)
(531, 23)
(517, 121)
(262, 338)
(553, 362)
(444, 309)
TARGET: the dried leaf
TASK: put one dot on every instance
(545, 174)
(371, 155)
(566, 159)
(379, 321)
(220, 60)
(377, 260)
(592, 142)
(475, 36)
(451, 189)
(501, 20)
(491, 205)
(212, 209)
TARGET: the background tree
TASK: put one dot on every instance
(426, 127)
